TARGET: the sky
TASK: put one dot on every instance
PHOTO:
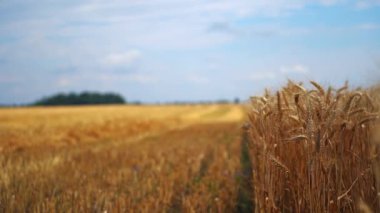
(188, 50)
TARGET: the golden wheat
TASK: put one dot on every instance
(322, 139)
(120, 159)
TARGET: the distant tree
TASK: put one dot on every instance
(222, 101)
(84, 98)
(236, 100)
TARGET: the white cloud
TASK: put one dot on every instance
(64, 82)
(172, 24)
(178, 24)
(89, 35)
(258, 76)
(281, 73)
(296, 68)
(329, 2)
(141, 78)
(125, 58)
(365, 4)
(369, 26)
(8, 78)
(197, 79)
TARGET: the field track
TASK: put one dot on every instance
(122, 158)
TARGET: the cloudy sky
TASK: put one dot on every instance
(165, 50)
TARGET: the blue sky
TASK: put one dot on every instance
(166, 50)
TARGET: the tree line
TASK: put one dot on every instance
(84, 98)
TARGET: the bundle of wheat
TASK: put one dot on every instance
(311, 149)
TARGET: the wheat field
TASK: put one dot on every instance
(313, 149)
(120, 159)
(299, 149)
